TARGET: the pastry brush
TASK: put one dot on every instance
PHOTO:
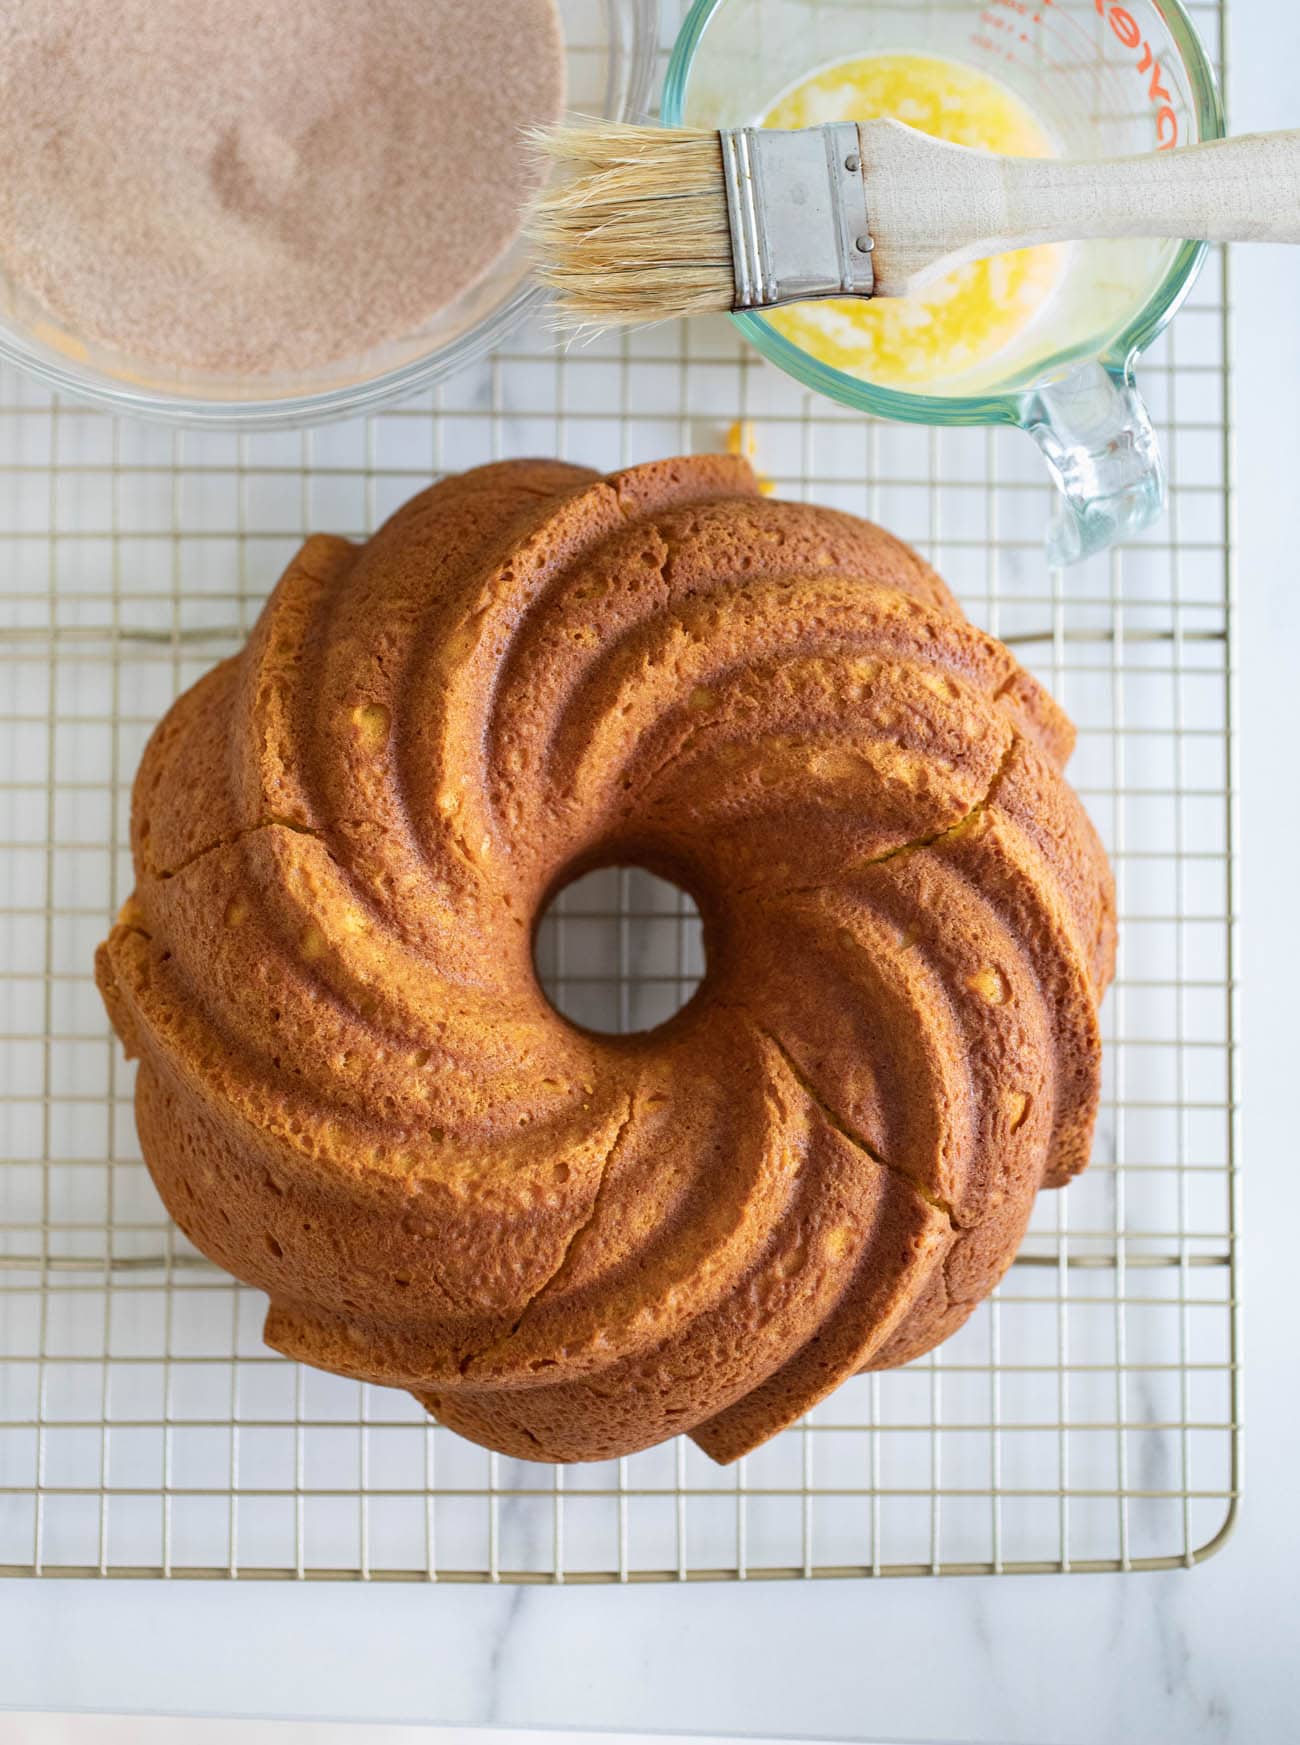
(646, 223)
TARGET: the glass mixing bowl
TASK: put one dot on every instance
(610, 60)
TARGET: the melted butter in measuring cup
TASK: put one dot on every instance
(962, 321)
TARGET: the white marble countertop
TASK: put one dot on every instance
(1206, 1654)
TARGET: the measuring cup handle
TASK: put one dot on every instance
(1096, 435)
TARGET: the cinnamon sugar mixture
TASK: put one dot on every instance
(238, 187)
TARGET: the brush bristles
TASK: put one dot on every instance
(634, 228)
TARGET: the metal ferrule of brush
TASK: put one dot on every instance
(797, 204)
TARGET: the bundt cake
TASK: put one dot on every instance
(353, 1093)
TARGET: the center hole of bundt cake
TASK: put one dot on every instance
(619, 949)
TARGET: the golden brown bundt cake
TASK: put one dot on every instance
(352, 1092)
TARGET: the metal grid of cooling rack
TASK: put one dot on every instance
(1086, 1418)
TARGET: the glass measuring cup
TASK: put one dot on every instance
(1104, 80)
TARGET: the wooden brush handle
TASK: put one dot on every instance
(934, 205)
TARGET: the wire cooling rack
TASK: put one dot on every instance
(1086, 1418)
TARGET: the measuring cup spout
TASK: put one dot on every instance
(1096, 436)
